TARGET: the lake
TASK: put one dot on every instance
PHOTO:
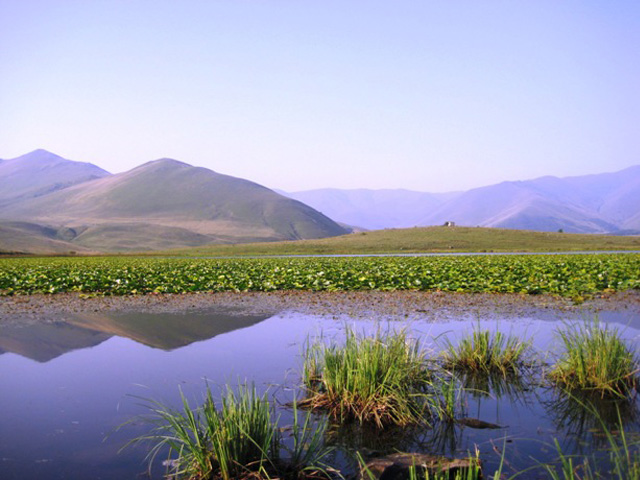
(68, 385)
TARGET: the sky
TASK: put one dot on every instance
(424, 95)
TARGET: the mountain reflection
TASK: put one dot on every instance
(45, 341)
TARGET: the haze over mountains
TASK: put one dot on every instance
(603, 203)
(52, 205)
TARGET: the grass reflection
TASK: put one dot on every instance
(586, 416)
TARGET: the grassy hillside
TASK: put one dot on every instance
(22, 237)
(429, 239)
(169, 204)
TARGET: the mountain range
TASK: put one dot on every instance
(49, 204)
(602, 203)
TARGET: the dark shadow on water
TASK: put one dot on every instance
(374, 441)
(515, 388)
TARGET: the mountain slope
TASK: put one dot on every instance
(40, 172)
(24, 237)
(167, 203)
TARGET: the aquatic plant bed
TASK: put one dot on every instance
(567, 275)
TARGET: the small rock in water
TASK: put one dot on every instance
(397, 466)
(476, 423)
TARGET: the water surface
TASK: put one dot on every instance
(68, 385)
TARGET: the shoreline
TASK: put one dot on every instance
(396, 305)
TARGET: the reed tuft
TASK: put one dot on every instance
(488, 353)
(376, 380)
(596, 359)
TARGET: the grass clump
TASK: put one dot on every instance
(488, 353)
(596, 359)
(370, 379)
(239, 440)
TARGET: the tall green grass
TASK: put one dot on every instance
(241, 439)
(308, 452)
(203, 442)
(487, 353)
(377, 379)
(242, 434)
(449, 397)
(596, 359)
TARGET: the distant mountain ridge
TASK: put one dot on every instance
(601, 203)
(160, 204)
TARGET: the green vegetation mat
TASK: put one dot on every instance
(567, 275)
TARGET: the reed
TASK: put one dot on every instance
(239, 440)
(243, 436)
(377, 380)
(449, 396)
(595, 359)
(487, 353)
(204, 442)
(308, 453)
(472, 473)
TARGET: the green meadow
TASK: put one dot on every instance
(427, 239)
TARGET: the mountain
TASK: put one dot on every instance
(373, 209)
(165, 204)
(607, 202)
(39, 173)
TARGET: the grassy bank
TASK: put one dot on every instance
(427, 239)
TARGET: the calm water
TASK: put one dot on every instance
(67, 386)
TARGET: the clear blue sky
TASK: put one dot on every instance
(424, 95)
